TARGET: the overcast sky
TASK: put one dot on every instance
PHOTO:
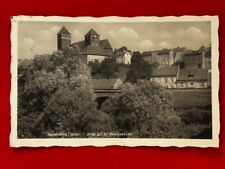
(40, 37)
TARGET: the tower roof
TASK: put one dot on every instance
(92, 32)
(105, 44)
(64, 31)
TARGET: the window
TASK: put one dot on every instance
(202, 84)
(190, 75)
(166, 80)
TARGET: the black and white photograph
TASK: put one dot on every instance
(138, 81)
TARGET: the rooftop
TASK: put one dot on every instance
(105, 44)
(95, 50)
(64, 31)
(193, 53)
(92, 32)
(192, 75)
(165, 71)
(147, 53)
(106, 84)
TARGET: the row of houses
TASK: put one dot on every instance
(174, 77)
(195, 71)
(168, 77)
(200, 59)
(163, 57)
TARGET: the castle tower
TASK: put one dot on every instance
(92, 38)
(63, 39)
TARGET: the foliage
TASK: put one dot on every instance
(196, 116)
(35, 96)
(144, 109)
(192, 98)
(55, 95)
(64, 114)
(108, 68)
(194, 108)
(139, 68)
(180, 64)
(197, 131)
(61, 78)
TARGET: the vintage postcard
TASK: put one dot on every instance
(138, 81)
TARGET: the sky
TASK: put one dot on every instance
(36, 38)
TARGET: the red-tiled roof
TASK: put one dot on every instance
(64, 31)
(165, 72)
(193, 75)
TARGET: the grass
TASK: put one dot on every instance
(194, 108)
(192, 98)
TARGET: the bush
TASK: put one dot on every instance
(145, 110)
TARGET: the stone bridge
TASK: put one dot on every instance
(106, 92)
(102, 95)
(104, 88)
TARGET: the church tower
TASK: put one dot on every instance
(63, 39)
(92, 38)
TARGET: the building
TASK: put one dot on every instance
(207, 59)
(194, 60)
(91, 47)
(123, 56)
(163, 57)
(63, 39)
(192, 78)
(165, 76)
(147, 56)
(179, 53)
(104, 88)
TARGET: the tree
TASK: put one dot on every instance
(64, 114)
(145, 109)
(179, 63)
(139, 68)
(108, 68)
(35, 96)
(50, 88)
(42, 62)
(74, 63)
(95, 68)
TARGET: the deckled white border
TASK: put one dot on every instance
(132, 142)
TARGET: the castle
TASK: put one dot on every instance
(196, 72)
(91, 47)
